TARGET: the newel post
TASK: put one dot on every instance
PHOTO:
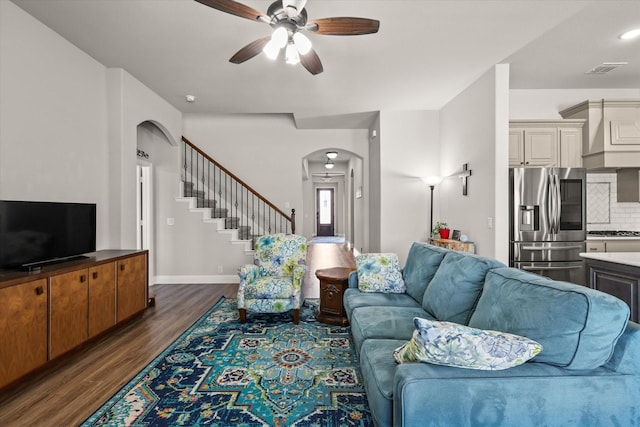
(293, 221)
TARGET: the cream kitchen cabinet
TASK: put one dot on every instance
(611, 137)
(536, 143)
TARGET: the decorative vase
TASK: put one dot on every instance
(444, 233)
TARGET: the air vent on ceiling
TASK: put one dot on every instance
(605, 67)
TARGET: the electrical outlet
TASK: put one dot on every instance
(489, 222)
(171, 221)
(220, 269)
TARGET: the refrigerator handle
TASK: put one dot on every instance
(558, 203)
(551, 202)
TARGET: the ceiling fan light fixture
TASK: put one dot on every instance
(291, 55)
(302, 42)
(280, 37)
(271, 49)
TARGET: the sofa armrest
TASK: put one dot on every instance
(454, 396)
(626, 355)
(353, 279)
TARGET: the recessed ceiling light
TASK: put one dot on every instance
(631, 34)
(190, 98)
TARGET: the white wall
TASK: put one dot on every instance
(474, 130)
(409, 150)
(68, 125)
(53, 109)
(131, 103)
(373, 190)
(546, 103)
(266, 151)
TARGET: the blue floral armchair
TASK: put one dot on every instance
(273, 284)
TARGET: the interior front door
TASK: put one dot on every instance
(325, 212)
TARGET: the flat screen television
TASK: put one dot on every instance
(37, 233)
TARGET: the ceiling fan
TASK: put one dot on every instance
(289, 20)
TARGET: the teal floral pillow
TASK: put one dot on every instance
(379, 273)
(451, 344)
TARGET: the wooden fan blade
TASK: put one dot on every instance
(311, 61)
(344, 26)
(250, 50)
(234, 8)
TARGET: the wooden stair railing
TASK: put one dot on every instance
(228, 197)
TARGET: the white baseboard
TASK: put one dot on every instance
(180, 280)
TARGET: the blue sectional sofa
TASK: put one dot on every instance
(588, 373)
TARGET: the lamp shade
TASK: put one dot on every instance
(432, 180)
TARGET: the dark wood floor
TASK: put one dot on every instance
(66, 392)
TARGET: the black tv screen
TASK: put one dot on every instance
(36, 232)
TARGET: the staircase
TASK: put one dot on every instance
(224, 199)
(230, 222)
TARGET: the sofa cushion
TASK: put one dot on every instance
(378, 369)
(379, 273)
(456, 286)
(353, 298)
(578, 327)
(451, 344)
(422, 262)
(383, 322)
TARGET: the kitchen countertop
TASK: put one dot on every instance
(625, 258)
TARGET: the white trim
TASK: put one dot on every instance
(180, 280)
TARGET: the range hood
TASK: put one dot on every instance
(611, 135)
(628, 185)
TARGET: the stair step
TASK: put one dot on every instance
(244, 232)
(231, 222)
(190, 192)
(206, 203)
(219, 212)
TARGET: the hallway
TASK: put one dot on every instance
(324, 255)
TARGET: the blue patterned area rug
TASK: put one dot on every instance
(267, 372)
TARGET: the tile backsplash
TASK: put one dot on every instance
(603, 210)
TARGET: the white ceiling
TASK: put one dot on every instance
(425, 53)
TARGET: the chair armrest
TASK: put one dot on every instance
(248, 273)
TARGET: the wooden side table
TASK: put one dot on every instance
(333, 282)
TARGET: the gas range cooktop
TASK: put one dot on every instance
(615, 233)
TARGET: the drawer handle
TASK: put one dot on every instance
(95, 275)
(121, 267)
(39, 290)
(83, 278)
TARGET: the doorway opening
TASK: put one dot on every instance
(325, 212)
(143, 206)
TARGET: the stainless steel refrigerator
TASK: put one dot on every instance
(547, 222)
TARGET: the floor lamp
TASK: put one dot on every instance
(431, 181)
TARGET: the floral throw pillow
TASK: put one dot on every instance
(379, 273)
(451, 344)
